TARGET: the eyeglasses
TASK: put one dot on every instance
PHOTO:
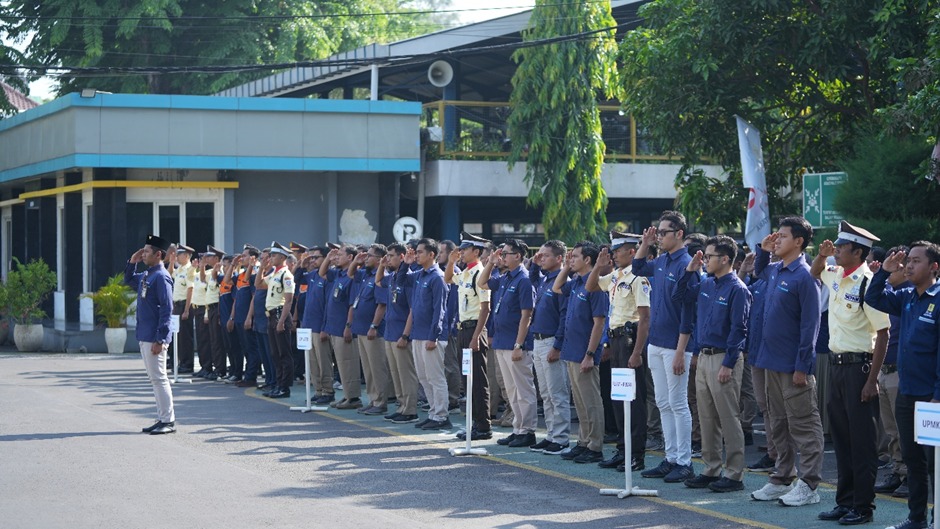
(663, 233)
(710, 255)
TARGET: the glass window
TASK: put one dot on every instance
(170, 223)
(139, 225)
(200, 225)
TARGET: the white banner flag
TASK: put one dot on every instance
(757, 225)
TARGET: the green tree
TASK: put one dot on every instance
(156, 33)
(9, 55)
(811, 76)
(555, 123)
(887, 192)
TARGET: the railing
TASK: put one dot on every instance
(478, 130)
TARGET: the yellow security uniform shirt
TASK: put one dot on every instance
(199, 290)
(851, 328)
(627, 292)
(182, 281)
(469, 296)
(212, 287)
(279, 282)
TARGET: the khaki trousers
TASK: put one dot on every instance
(401, 364)
(797, 428)
(719, 415)
(520, 385)
(430, 368)
(321, 366)
(586, 390)
(760, 393)
(375, 368)
(347, 360)
(887, 397)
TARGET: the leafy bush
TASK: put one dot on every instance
(27, 287)
(113, 302)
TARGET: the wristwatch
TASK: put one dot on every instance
(517, 346)
(373, 326)
(590, 353)
(348, 325)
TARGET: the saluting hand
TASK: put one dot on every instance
(696, 263)
(649, 236)
(769, 242)
(453, 257)
(827, 249)
(136, 257)
(603, 258)
(894, 263)
(495, 257)
(748, 265)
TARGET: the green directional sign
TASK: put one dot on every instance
(819, 190)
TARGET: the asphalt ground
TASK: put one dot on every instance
(72, 455)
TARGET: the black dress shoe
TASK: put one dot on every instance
(616, 460)
(164, 428)
(475, 435)
(506, 440)
(856, 517)
(835, 514)
(281, 394)
(151, 428)
(522, 441)
(610, 438)
(889, 484)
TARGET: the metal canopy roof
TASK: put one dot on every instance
(483, 76)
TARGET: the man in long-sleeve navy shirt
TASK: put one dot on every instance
(429, 337)
(390, 283)
(670, 329)
(918, 367)
(788, 356)
(722, 304)
(154, 307)
(314, 318)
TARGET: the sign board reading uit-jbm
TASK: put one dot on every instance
(622, 384)
(819, 191)
(927, 423)
(466, 362)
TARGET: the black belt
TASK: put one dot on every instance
(198, 306)
(617, 332)
(464, 325)
(887, 369)
(843, 359)
(542, 336)
(711, 351)
(274, 312)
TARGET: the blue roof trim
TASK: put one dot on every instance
(255, 163)
(247, 104)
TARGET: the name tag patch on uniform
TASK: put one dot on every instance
(927, 320)
(852, 297)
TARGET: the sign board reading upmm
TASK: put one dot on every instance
(819, 190)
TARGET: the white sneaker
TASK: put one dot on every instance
(800, 495)
(770, 492)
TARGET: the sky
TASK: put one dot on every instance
(477, 10)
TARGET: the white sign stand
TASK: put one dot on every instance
(175, 329)
(467, 365)
(623, 387)
(927, 432)
(305, 343)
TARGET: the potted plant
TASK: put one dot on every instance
(114, 302)
(27, 287)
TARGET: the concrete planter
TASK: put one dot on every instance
(28, 337)
(115, 338)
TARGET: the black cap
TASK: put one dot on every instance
(468, 240)
(182, 248)
(158, 242)
(212, 250)
(333, 246)
(297, 247)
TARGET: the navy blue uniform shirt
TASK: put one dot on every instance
(791, 315)
(668, 319)
(318, 289)
(548, 317)
(583, 307)
(428, 304)
(919, 336)
(364, 302)
(894, 334)
(722, 307)
(154, 301)
(755, 322)
(395, 296)
(515, 295)
(337, 304)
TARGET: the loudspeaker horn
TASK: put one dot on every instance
(440, 73)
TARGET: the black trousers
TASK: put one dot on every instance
(919, 459)
(203, 339)
(610, 420)
(282, 351)
(215, 339)
(232, 346)
(854, 436)
(621, 349)
(185, 337)
(481, 384)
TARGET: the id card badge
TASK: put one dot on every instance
(336, 290)
(395, 295)
(466, 303)
(355, 303)
(497, 306)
